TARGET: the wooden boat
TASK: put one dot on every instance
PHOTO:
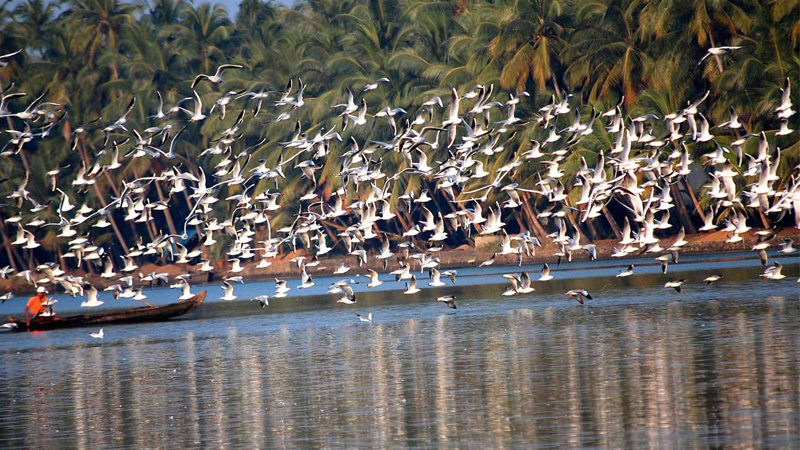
(135, 315)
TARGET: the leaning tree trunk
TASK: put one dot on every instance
(112, 220)
(592, 229)
(7, 245)
(716, 57)
(538, 229)
(697, 208)
(102, 199)
(203, 248)
(612, 223)
(686, 218)
(167, 214)
(588, 232)
(764, 219)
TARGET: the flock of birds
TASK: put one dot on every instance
(637, 172)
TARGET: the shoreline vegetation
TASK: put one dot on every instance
(672, 115)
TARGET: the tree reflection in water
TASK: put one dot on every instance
(720, 368)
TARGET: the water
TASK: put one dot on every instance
(639, 367)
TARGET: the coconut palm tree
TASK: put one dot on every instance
(98, 24)
(532, 35)
(604, 55)
(202, 33)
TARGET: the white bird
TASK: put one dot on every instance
(228, 292)
(435, 278)
(236, 265)
(263, 300)
(774, 272)
(197, 115)
(525, 283)
(489, 261)
(92, 301)
(186, 291)
(217, 77)
(305, 280)
(626, 273)
(108, 269)
(411, 286)
(349, 296)
(373, 86)
(579, 295)
(364, 319)
(545, 273)
(786, 247)
(281, 288)
(675, 285)
(448, 300)
(4, 58)
(373, 278)
(98, 335)
(716, 51)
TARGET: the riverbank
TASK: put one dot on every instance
(464, 256)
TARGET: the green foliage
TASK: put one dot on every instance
(94, 55)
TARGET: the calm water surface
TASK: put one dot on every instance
(639, 367)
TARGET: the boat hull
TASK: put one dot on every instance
(136, 315)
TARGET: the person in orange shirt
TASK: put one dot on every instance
(35, 305)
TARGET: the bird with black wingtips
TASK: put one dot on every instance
(579, 295)
(626, 273)
(675, 285)
(217, 77)
(449, 300)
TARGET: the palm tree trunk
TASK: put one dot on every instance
(764, 219)
(688, 188)
(203, 248)
(686, 218)
(716, 57)
(592, 230)
(112, 220)
(403, 224)
(111, 183)
(167, 214)
(575, 225)
(555, 84)
(538, 229)
(31, 262)
(120, 238)
(612, 223)
(9, 250)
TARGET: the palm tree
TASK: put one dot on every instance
(532, 35)
(166, 12)
(751, 83)
(604, 55)
(691, 26)
(201, 33)
(99, 24)
(34, 18)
